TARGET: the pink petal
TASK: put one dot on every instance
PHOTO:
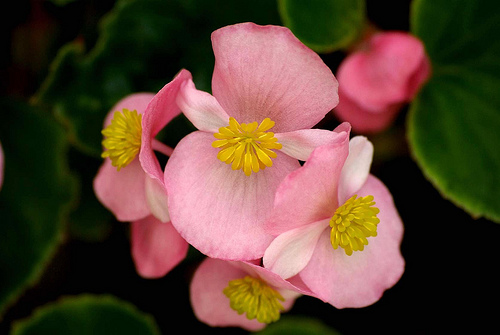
(160, 111)
(301, 143)
(122, 192)
(135, 101)
(360, 279)
(265, 71)
(365, 121)
(290, 252)
(209, 303)
(201, 108)
(356, 167)
(219, 211)
(157, 199)
(379, 75)
(211, 306)
(309, 194)
(156, 247)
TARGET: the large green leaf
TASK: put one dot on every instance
(324, 25)
(87, 314)
(298, 325)
(141, 46)
(454, 124)
(35, 198)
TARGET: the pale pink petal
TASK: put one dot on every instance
(360, 279)
(1, 166)
(365, 121)
(309, 194)
(122, 192)
(379, 75)
(265, 71)
(201, 108)
(219, 211)
(156, 247)
(356, 167)
(301, 143)
(209, 303)
(157, 199)
(160, 111)
(290, 252)
(135, 101)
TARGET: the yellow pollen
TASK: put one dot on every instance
(123, 138)
(247, 147)
(353, 222)
(255, 298)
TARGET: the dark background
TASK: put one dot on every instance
(450, 281)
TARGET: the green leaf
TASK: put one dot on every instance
(324, 25)
(87, 314)
(454, 123)
(36, 196)
(297, 325)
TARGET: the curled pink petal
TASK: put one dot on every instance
(356, 167)
(265, 71)
(156, 247)
(290, 252)
(221, 212)
(161, 110)
(202, 109)
(360, 279)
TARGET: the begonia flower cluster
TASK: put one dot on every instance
(279, 208)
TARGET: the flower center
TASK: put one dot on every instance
(123, 138)
(255, 298)
(247, 147)
(353, 222)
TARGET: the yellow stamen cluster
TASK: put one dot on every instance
(247, 147)
(353, 222)
(123, 138)
(255, 298)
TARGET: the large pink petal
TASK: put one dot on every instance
(265, 71)
(309, 194)
(301, 143)
(360, 279)
(219, 211)
(379, 75)
(362, 120)
(201, 108)
(356, 167)
(122, 192)
(290, 252)
(211, 306)
(160, 111)
(156, 247)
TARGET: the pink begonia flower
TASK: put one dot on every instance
(238, 294)
(130, 183)
(222, 178)
(380, 77)
(344, 249)
(1, 166)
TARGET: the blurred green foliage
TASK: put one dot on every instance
(87, 314)
(455, 121)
